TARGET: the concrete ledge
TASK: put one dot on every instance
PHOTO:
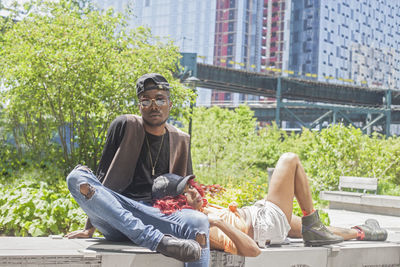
(29, 252)
(378, 204)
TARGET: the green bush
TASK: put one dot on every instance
(36, 209)
(244, 193)
(226, 147)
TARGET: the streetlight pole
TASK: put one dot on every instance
(192, 83)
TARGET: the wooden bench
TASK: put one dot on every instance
(361, 200)
(358, 183)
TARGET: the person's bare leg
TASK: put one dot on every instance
(295, 231)
(347, 234)
(302, 189)
(295, 227)
(288, 180)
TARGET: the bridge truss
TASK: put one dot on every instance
(309, 103)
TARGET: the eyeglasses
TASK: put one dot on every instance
(147, 102)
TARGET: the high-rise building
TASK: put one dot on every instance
(190, 24)
(237, 41)
(273, 34)
(237, 34)
(352, 41)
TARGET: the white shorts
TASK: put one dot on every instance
(270, 224)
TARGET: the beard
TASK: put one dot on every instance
(154, 124)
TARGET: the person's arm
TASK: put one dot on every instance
(245, 245)
(115, 135)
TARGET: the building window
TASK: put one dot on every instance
(295, 37)
(231, 14)
(230, 38)
(229, 50)
(147, 3)
(296, 14)
(308, 24)
(231, 26)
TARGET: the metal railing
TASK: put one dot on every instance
(233, 104)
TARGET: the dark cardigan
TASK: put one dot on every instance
(122, 168)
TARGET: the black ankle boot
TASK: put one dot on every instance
(315, 233)
(185, 250)
(372, 231)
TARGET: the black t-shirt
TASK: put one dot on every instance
(140, 188)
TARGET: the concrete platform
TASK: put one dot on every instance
(43, 251)
(368, 203)
(58, 251)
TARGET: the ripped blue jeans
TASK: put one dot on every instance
(120, 218)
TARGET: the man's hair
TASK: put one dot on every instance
(169, 205)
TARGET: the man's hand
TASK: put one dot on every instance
(87, 233)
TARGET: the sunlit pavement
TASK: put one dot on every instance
(343, 218)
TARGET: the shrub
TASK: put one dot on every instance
(37, 209)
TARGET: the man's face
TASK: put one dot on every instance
(154, 106)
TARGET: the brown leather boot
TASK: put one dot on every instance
(185, 250)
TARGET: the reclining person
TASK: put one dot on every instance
(270, 220)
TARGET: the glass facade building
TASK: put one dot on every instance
(273, 33)
(352, 41)
(237, 41)
(342, 41)
(190, 24)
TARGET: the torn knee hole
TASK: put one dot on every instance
(87, 190)
(201, 238)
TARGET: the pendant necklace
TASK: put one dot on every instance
(153, 166)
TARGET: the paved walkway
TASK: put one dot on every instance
(343, 218)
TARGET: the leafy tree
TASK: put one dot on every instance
(223, 144)
(69, 70)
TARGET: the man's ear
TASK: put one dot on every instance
(170, 104)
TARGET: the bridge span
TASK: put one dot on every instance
(308, 103)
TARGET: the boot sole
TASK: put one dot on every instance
(318, 243)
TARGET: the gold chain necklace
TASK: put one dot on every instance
(158, 154)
